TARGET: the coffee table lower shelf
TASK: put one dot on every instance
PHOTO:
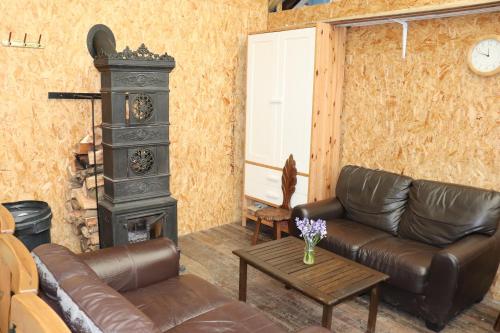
(330, 281)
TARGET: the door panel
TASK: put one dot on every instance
(262, 118)
(297, 49)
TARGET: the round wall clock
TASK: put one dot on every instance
(484, 56)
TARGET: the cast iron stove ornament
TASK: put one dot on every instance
(134, 87)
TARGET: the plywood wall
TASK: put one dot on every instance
(427, 116)
(208, 40)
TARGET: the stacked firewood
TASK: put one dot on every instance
(86, 178)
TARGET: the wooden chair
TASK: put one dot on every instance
(20, 307)
(279, 216)
(7, 224)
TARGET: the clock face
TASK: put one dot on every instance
(484, 58)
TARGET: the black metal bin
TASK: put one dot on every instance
(33, 220)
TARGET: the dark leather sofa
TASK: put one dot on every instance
(438, 242)
(137, 288)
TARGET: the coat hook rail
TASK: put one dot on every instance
(23, 43)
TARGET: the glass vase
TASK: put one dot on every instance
(309, 254)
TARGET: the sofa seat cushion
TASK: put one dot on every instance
(345, 237)
(373, 197)
(234, 317)
(171, 302)
(405, 261)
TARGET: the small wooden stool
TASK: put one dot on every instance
(279, 217)
(497, 324)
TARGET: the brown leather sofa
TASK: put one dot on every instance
(438, 242)
(137, 288)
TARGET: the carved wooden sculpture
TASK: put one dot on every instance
(279, 216)
(288, 182)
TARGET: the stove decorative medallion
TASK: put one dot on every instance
(137, 204)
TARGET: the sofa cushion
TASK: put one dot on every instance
(440, 214)
(405, 261)
(87, 304)
(131, 266)
(173, 301)
(373, 197)
(345, 237)
(234, 317)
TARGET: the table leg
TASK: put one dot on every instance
(326, 321)
(372, 316)
(243, 280)
(277, 230)
(256, 232)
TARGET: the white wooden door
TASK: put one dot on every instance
(280, 78)
(297, 52)
(262, 117)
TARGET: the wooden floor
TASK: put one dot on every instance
(208, 255)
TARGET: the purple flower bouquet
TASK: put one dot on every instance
(312, 231)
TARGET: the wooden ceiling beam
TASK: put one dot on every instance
(419, 13)
(330, 13)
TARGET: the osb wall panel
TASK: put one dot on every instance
(341, 8)
(207, 38)
(427, 116)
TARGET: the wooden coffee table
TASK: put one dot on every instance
(330, 281)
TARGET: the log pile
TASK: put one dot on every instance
(81, 206)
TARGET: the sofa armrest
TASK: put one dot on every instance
(325, 209)
(461, 274)
(133, 266)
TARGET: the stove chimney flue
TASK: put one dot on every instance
(101, 40)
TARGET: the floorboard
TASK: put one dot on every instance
(208, 254)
